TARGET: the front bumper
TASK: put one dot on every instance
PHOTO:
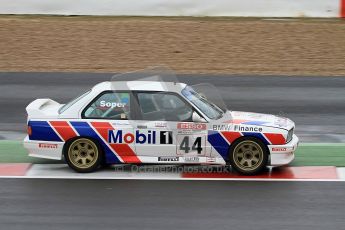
(283, 154)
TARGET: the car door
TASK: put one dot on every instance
(166, 130)
(109, 117)
(191, 142)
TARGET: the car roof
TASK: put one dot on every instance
(140, 86)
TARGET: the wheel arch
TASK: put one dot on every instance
(265, 156)
(254, 137)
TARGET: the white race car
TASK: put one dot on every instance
(155, 122)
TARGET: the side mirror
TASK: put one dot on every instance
(196, 117)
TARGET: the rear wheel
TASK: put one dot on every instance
(83, 155)
(249, 156)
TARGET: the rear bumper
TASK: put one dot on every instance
(283, 154)
(44, 149)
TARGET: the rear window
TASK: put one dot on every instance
(69, 104)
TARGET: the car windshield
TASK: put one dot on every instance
(210, 109)
(69, 104)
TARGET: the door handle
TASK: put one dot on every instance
(142, 126)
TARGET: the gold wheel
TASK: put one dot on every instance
(248, 155)
(83, 153)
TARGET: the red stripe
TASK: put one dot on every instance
(275, 138)
(102, 128)
(64, 129)
(123, 150)
(14, 169)
(231, 136)
(342, 8)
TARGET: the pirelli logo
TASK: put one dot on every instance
(47, 146)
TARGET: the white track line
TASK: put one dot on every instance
(171, 179)
(341, 173)
(62, 171)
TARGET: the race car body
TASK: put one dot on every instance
(155, 122)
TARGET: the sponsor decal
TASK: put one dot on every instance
(191, 132)
(112, 104)
(161, 124)
(149, 137)
(193, 126)
(279, 149)
(168, 159)
(47, 146)
(240, 128)
(222, 127)
(191, 159)
(210, 159)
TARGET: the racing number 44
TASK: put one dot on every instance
(185, 145)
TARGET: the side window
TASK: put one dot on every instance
(110, 105)
(163, 107)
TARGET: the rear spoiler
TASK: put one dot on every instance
(42, 108)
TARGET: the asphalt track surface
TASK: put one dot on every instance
(121, 204)
(316, 104)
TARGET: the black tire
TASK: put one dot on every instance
(83, 154)
(248, 156)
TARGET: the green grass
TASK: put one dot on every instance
(320, 155)
(14, 152)
(326, 154)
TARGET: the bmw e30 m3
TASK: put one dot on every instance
(155, 122)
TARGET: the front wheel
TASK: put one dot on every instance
(83, 155)
(248, 156)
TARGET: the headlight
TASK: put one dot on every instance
(289, 136)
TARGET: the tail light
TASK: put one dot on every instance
(29, 130)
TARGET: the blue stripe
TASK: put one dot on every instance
(84, 129)
(42, 131)
(257, 135)
(254, 122)
(218, 143)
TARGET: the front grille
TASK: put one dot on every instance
(289, 136)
